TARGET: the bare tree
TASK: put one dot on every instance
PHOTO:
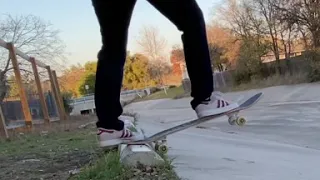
(303, 13)
(243, 20)
(267, 10)
(34, 37)
(245, 23)
(153, 46)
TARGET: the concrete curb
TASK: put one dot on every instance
(133, 155)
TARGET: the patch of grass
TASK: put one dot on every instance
(53, 152)
(275, 80)
(106, 167)
(167, 169)
(171, 93)
(53, 143)
(109, 167)
(46, 154)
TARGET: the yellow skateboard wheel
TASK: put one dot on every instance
(163, 148)
(241, 121)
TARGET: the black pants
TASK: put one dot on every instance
(114, 19)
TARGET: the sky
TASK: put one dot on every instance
(79, 27)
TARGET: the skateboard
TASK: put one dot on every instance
(160, 138)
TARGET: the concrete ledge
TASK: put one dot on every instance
(132, 155)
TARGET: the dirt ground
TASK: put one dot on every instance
(51, 153)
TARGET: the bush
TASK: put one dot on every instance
(249, 69)
(314, 72)
(249, 65)
(313, 58)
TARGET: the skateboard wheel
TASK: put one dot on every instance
(163, 148)
(241, 121)
(232, 119)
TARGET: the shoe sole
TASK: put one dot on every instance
(115, 142)
(110, 143)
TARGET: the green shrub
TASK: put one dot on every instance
(249, 65)
(312, 57)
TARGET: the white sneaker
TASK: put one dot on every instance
(111, 137)
(128, 123)
(215, 104)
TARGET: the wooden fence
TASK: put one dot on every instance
(35, 64)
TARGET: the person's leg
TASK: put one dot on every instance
(114, 19)
(188, 18)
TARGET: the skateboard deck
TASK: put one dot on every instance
(162, 134)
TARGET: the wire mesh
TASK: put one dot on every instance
(12, 108)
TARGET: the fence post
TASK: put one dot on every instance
(23, 97)
(3, 127)
(55, 94)
(54, 74)
(40, 92)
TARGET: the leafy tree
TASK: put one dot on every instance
(90, 67)
(13, 87)
(89, 80)
(70, 80)
(137, 72)
(249, 64)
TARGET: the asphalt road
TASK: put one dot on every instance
(280, 140)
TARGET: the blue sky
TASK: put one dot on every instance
(79, 28)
